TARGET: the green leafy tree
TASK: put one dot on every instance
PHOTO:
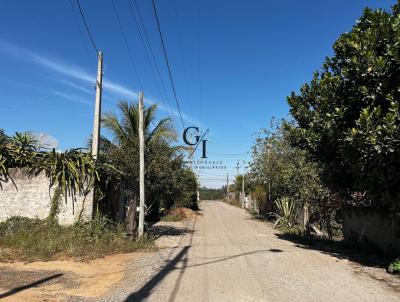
(167, 182)
(281, 171)
(348, 118)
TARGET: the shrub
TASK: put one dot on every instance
(394, 267)
(286, 213)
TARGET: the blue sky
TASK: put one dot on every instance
(234, 63)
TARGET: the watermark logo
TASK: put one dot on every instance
(193, 137)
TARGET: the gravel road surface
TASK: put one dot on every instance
(226, 255)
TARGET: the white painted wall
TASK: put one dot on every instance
(31, 197)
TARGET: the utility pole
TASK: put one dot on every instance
(227, 185)
(198, 187)
(243, 185)
(141, 163)
(269, 178)
(97, 108)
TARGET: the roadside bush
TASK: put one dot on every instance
(279, 169)
(394, 267)
(33, 239)
(286, 213)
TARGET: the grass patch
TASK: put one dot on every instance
(33, 240)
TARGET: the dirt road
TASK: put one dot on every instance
(231, 257)
(221, 255)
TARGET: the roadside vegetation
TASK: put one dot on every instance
(211, 194)
(341, 148)
(25, 239)
(169, 187)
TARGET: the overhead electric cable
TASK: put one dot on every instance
(199, 57)
(87, 28)
(159, 82)
(81, 34)
(132, 60)
(228, 154)
(182, 57)
(167, 62)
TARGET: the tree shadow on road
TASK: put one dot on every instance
(236, 256)
(168, 230)
(27, 286)
(146, 290)
(361, 254)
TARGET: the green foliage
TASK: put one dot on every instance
(71, 172)
(286, 213)
(55, 205)
(394, 267)
(284, 170)
(279, 169)
(33, 239)
(187, 190)
(212, 194)
(348, 118)
(239, 184)
(167, 182)
(125, 130)
(259, 193)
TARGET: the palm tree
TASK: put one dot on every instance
(125, 128)
(123, 150)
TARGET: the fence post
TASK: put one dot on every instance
(305, 215)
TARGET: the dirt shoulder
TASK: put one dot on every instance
(61, 280)
(68, 280)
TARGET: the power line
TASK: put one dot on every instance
(199, 57)
(81, 34)
(228, 154)
(162, 92)
(182, 55)
(132, 60)
(87, 28)
(167, 62)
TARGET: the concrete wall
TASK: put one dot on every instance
(31, 197)
(364, 225)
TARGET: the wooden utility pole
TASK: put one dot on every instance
(141, 172)
(97, 108)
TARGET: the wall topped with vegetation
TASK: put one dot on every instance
(32, 196)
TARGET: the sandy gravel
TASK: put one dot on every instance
(231, 257)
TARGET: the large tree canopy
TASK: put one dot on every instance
(348, 115)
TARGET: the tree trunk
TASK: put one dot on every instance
(131, 221)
